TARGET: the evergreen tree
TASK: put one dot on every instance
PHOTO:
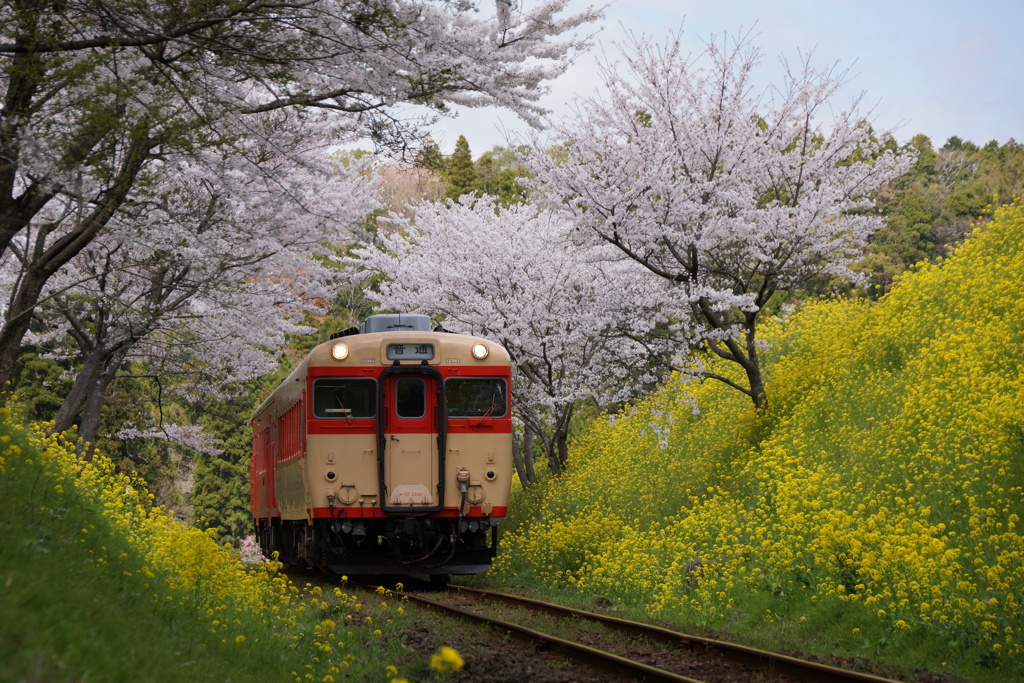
(460, 172)
(137, 399)
(499, 171)
(220, 493)
(430, 156)
(933, 206)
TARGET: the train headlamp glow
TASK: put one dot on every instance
(339, 351)
(480, 351)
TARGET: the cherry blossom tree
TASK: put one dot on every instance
(511, 274)
(99, 98)
(725, 192)
(204, 279)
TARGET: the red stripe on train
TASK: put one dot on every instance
(377, 513)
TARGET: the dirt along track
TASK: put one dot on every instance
(615, 649)
(496, 653)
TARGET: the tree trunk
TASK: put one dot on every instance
(553, 463)
(88, 392)
(522, 457)
(561, 438)
(94, 404)
(743, 353)
(752, 366)
(756, 382)
(75, 399)
(531, 473)
(518, 460)
(17, 322)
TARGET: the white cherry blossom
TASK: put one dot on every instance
(725, 193)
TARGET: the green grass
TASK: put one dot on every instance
(93, 588)
(74, 605)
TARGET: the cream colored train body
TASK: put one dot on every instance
(388, 450)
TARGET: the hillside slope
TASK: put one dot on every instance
(97, 584)
(874, 508)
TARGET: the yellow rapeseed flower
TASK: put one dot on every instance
(446, 660)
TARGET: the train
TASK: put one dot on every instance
(386, 451)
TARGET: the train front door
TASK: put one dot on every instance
(411, 464)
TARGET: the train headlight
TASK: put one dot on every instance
(480, 351)
(339, 351)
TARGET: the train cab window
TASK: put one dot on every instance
(340, 398)
(410, 397)
(475, 397)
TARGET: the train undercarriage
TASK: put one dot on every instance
(426, 546)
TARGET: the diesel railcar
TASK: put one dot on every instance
(388, 450)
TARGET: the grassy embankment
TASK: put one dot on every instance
(96, 584)
(872, 510)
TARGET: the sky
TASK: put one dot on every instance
(938, 67)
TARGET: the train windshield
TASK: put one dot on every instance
(475, 397)
(410, 397)
(339, 398)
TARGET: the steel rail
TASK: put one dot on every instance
(801, 668)
(577, 651)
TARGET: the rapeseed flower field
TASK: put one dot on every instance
(97, 583)
(874, 508)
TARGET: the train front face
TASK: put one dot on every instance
(409, 451)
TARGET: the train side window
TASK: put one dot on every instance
(410, 397)
(337, 398)
(475, 397)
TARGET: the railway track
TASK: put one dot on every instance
(641, 651)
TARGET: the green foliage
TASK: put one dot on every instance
(933, 206)
(905, 239)
(967, 201)
(430, 156)
(220, 493)
(460, 172)
(495, 172)
(499, 171)
(138, 398)
(42, 384)
(348, 157)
